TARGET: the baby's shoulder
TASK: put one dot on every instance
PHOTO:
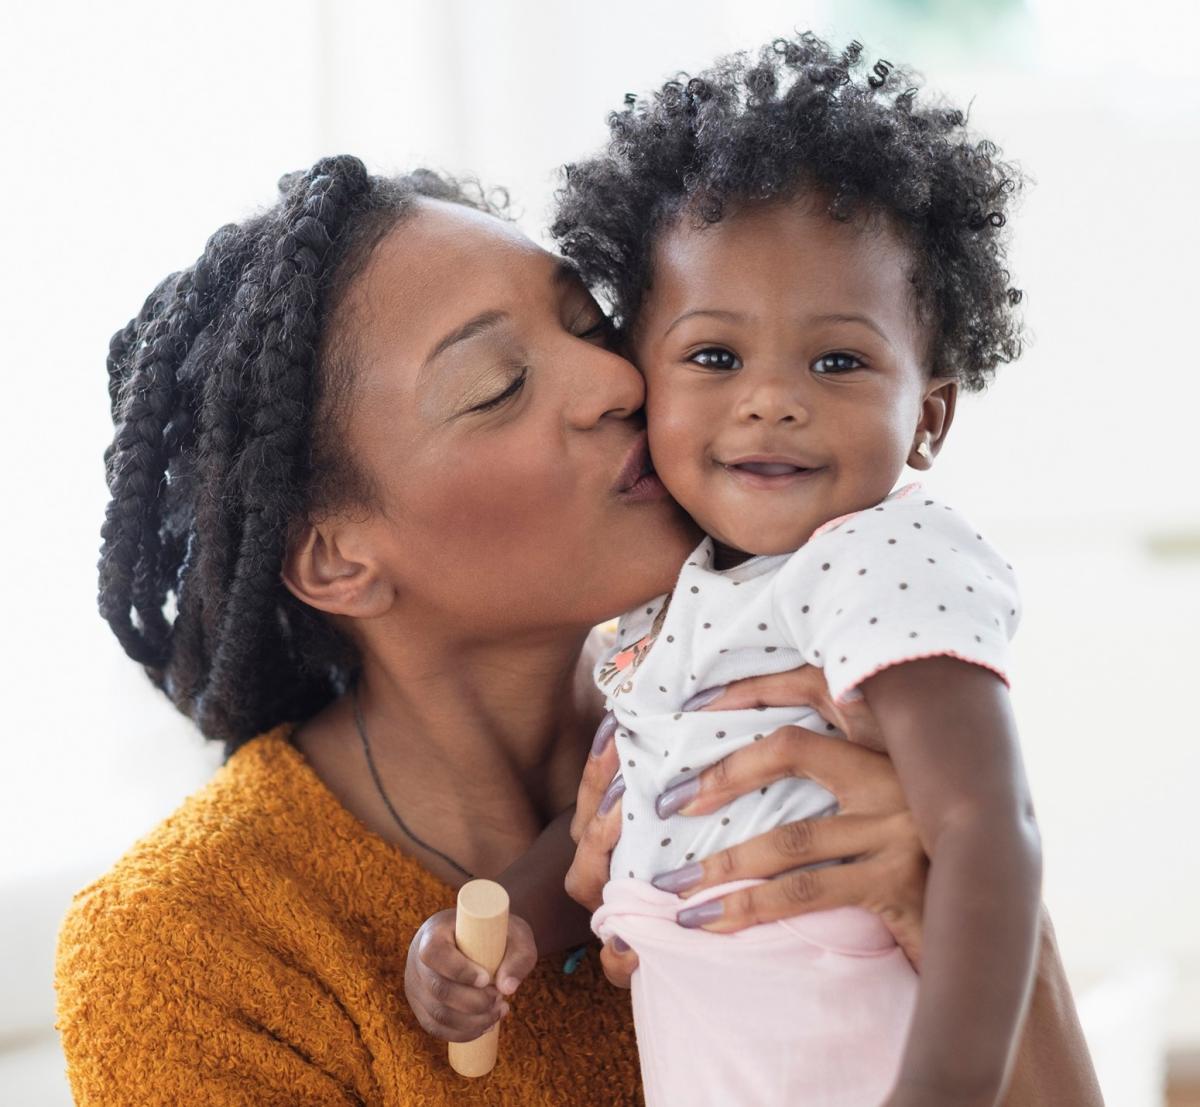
(909, 517)
(909, 526)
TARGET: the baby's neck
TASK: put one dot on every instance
(726, 557)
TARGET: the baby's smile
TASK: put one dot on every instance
(769, 472)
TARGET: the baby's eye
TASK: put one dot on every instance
(836, 363)
(714, 357)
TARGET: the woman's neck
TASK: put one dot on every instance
(478, 746)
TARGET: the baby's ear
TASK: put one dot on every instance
(937, 412)
(933, 423)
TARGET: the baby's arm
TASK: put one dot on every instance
(534, 883)
(950, 733)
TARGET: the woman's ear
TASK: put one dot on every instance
(324, 568)
(937, 413)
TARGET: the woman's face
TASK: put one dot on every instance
(503, 434)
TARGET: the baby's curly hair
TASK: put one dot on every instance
(799, 117)
(229, 392)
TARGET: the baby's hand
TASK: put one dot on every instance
(453, 997)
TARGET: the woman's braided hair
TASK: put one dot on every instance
(229, 391)
(800, 116)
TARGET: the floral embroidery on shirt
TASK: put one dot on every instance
(625, 662)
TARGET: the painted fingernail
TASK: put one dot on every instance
(620, 945)
(680, 795)
(701, 699)
(852, 696)
(606, 729)
(678, 879)
(613, 794)
(700, 914)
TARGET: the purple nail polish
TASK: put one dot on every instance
(678, 879)
(611, 796)
(620, 945)
(701, 699)
(606, 729)
(702, 913)
(680, 795)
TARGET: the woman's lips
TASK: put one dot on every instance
(637, 480)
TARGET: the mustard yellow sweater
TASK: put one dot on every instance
(251, 949)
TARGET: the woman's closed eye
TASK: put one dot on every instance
(517, 383)
(601, 328)
(837, 362)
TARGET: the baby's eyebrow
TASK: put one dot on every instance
(843, 317)
(712, 313)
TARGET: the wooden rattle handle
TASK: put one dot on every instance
(481, 932)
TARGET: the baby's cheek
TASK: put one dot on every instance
(678, 448)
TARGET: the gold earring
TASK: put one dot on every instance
(924, 451)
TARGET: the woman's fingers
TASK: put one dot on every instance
(598, 772)
(888, 878)
(802, 687)
(778, 850)
(861, 779)
(797, 893)
(589, 869)
(792, 893)
(618, 964)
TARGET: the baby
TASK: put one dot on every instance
(807, 266)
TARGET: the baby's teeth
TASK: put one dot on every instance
(769, 468)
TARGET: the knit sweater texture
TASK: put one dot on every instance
(250, 951)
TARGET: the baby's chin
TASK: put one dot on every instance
(768, 539)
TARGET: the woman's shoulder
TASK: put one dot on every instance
(263, 829)
(259, 935)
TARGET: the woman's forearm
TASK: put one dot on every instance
(1052, 1064)
(534, 883)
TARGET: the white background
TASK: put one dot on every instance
(132, 131)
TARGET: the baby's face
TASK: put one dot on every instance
(784, 369)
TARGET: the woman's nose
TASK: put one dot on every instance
(603, 383)
(773, 398)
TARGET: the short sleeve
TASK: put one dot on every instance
(908, 579)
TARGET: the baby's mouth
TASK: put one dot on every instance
(768, 468)
(766, 471)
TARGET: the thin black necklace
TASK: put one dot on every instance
(362, 733)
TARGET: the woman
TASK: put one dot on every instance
(384, 574)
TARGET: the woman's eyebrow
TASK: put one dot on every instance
(474, 326)
(564, 272)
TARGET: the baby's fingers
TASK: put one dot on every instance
(435, 949)
(440, 992)
(453, 1026)
(520, 955)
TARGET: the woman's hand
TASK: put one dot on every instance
(452, 996)
(595, 828)
(873, 824)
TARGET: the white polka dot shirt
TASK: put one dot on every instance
(908, 578)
